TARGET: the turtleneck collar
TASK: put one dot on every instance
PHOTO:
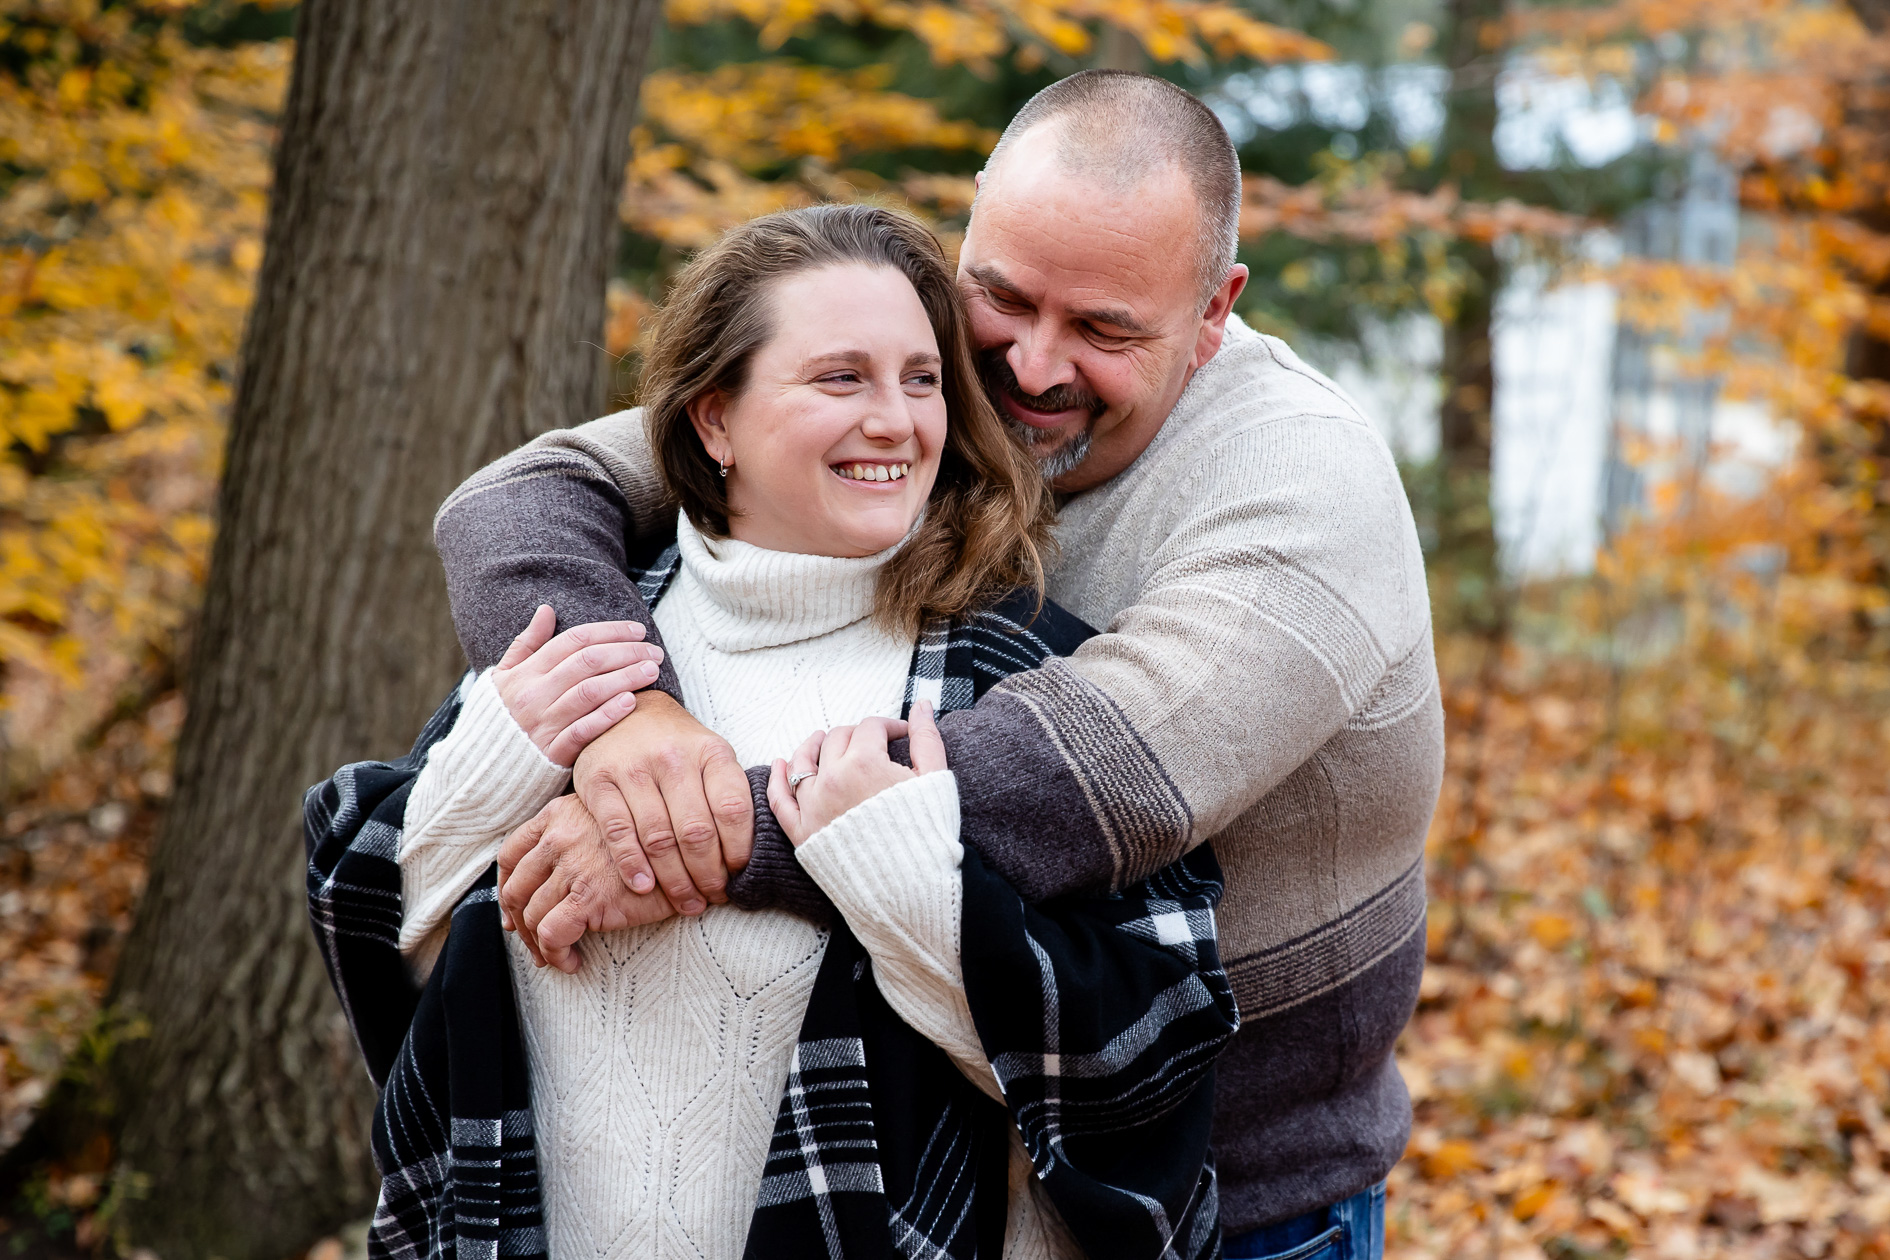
(746, 597)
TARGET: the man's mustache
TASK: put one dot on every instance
(998, 377)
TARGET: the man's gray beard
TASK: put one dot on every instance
(1057, 462)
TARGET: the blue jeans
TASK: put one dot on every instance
(1350, 1230)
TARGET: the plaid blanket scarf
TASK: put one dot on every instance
(1101, 1018)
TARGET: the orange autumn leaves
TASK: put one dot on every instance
(1656, 1019)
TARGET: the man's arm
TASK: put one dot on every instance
(1285, 585)
(552, 523)
(555, 523)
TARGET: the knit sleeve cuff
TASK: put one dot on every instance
(773, 878)
(483, 779)
(487, 771)
(891, 865)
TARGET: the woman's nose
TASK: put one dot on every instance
(890, 418)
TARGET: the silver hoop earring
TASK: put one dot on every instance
(723, 467)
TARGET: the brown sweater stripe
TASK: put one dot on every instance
(1265, 678)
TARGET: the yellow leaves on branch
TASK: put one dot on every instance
(133, 229)
(709, 149)
(764, 113)
(975, 32)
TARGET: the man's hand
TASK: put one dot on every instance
(848, 766)
(672, 802)
(557, 881)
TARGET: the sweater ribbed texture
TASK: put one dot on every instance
(485, 778)
(657, 1069)
(1266, 679)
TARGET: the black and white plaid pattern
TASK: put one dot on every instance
(1096, 1072)
(452, 1134)
(1101, 1017)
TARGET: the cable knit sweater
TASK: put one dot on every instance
(656, 1070)
(1265, 678)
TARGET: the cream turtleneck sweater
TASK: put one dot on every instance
(657, 1069)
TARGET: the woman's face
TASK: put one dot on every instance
(833, 444)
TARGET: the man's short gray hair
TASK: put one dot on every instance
(1118, 126)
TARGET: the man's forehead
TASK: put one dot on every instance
(1078, 251)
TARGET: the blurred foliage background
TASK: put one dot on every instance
(1655, 1018)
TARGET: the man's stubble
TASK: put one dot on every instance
(1052, 460)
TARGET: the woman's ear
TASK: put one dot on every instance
(706, 413)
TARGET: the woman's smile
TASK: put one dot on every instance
(850, 384)
(871, 472)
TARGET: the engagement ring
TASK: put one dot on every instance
(794, 780)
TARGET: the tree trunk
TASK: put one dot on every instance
(432, 294)
(1465, 525)
(1864, 470)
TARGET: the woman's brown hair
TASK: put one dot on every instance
(987, 524)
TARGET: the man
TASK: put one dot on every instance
(1266, 679)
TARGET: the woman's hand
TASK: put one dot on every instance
(565, 692)
(850, 765)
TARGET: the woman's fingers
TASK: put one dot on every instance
(871, 737)
(536, 634)
(806, 758)
(787, 810)
(928, 748)
(835, 745)
(564, 683)
(593, 634)
(577, 734)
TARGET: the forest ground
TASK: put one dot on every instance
(1653, 1020)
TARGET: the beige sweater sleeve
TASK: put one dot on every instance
(891, 866)
(485, 778)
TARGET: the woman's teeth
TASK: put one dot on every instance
(872, 472)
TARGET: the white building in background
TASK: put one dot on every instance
(1576, 393)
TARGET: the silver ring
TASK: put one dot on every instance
(794, 780)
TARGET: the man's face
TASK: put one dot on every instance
(1085, 303)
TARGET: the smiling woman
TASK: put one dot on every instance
(737, 1082)
(835, 409)
(811, 387)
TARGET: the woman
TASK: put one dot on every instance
(844, 487)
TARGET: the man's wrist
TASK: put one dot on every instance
(774, 878)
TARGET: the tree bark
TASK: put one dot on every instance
(1465, 524)
(432, 294)
(1868, 115)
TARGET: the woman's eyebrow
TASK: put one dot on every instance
(923, 358)
(849, 358)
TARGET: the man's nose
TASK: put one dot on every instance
(1039, 363)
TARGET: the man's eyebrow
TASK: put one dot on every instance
(1117, 317)
(990, 277)
(1114, 316)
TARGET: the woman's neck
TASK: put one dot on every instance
(747, 597)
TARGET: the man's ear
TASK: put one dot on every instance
(1214, 319)
(707, 411)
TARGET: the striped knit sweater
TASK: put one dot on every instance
(1266, 679)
